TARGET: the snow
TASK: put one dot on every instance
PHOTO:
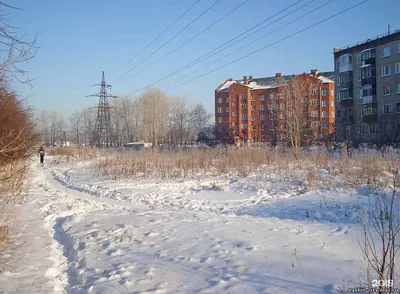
(259, 233)
(256, 86)
(325, 80)
(226, 86)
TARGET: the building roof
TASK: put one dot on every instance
(369, 43)
(272, 82)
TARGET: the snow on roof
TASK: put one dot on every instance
(256, 86)
(365, 65)
(325, 79)
(226, 86)
(369, 49)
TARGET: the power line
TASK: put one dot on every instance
(159, 36)
(210, 52)
(264, 36)
(191, 39)
(269, 45)
(173, 37)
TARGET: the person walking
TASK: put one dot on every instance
(41, 153)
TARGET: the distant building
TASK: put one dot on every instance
(245, 106)
(367, 79)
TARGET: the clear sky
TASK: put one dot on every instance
(80, 38)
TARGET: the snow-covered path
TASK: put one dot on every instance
(79, 243)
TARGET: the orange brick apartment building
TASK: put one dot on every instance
(244, 106)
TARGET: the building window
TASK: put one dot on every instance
(244, 116)
(227, 119)
(324, 125)
(314, 91)
(358, 76)
(244, 126)
(362, 130)
(333, 114)
(262, 117)
(244, 96)
(333, 103)
(253, 98)
(219, 110)
(262, 98)
(271, 116)
(234, 123)
(244, 106)
(386, 70)
(386, 90)
(398, 88)
(227, 109)
(314, 102)
(397, 68)
(233, 104)
(398, 107)
(359, 59)
(386, 109)
(270, 106)
(253, 117)
(373, 129)
(325, 103)
(344, 94)
(271, 96)
(253, 108)
(397, 48)
(262, 107)
(324, 114)
(333, 92)
(324, 92)
(263, 127)
(219, 100)
(219, 119)
(386, 52)
(338, 81)
(368, 72)
(234, 113)
(315, 113)
(345, 59)
(227, 100)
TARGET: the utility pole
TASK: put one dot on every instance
(102, 129)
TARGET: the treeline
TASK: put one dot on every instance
(151, 117)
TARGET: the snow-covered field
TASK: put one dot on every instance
(260, 233)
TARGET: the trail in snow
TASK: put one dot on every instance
(102, 242)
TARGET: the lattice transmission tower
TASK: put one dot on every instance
(102, 130)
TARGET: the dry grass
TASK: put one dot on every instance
(360, 169)
(74, 152)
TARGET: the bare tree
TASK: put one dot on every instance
(382, 220)
(181, 119)
(154, 105)
(14, 47)
(389, 130)
(88, 122)
(200, 117)
(292, 112)
(76, 124)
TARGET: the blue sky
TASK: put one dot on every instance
(79, 39)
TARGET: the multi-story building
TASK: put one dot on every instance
(367, 79)
(246, 106)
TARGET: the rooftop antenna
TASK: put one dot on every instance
(388, 29)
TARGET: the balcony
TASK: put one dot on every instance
(368, 62)
(370, 118)
(347, 85)
(347, 102)
(368, 99)
(368, 81)
(369, 113)
(347, 120)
